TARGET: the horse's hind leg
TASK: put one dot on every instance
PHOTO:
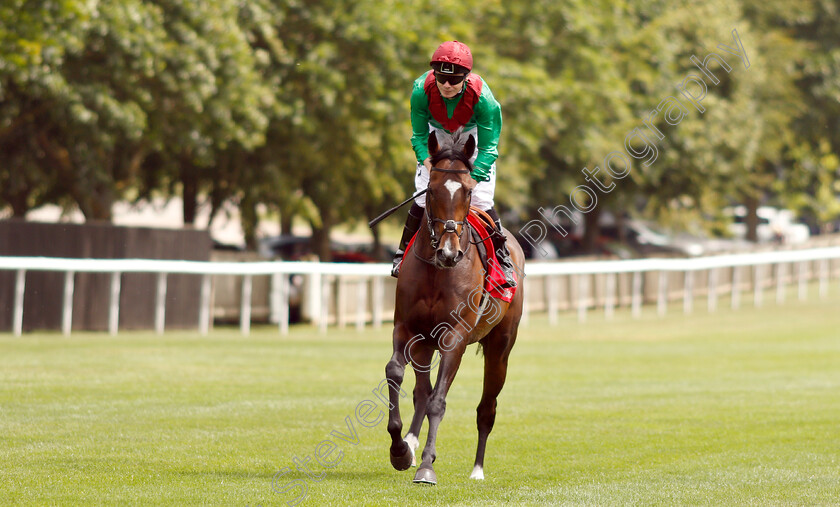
(401, 454)
(422, 363)
(497, 347)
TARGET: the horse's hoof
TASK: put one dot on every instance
(402, 461)
(425, 475)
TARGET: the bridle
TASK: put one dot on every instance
(449, 226)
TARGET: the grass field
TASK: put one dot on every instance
(732, 408)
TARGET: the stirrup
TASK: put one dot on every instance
(398, 258)
(505, 262)
(507, 270)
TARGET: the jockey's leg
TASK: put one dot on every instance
(415, 215)
(412, 225)
(502, 253)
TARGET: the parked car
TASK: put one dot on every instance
(542, 250)
(774, 225)
(638, 239)
(295, 248)
(645, 238)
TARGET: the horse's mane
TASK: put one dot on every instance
(451, 147)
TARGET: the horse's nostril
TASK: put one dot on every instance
(459, 256)
(446, 258)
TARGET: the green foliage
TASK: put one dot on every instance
(303, 106)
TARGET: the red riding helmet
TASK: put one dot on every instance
(453, 52)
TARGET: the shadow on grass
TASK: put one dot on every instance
(292, 475)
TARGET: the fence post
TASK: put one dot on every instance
(315, 299)
(20, 288)
(780, 283)
(341, 302)
(160, 303)
(67, 303)
(713, 289)
(204, 306)
(245, 307)
(582, 293)
(551, 298)
(361, 304)
(757, 285)
(736, 287)
(378, 296)
(283, 313)
(114, 304)
(688, 292)
(525, 310)
(325, 304)
(610, 296)
(823, 278)
(803, 289)
(637, 294)
(662, 300)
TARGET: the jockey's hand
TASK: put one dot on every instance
(428, 164)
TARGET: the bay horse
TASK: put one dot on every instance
(439, 308)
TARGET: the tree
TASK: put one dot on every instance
(814, 172)
(100, 87)
(336, 145)
(34, 40)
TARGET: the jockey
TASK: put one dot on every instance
(444, 99)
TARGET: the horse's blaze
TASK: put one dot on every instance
(452, 186)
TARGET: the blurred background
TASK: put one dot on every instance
(283, 127)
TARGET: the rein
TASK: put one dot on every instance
(451, 225)
(450, 171)
(486, 220)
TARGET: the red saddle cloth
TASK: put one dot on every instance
(495, 278)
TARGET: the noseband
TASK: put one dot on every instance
(449, 226)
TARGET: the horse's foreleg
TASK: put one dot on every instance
(401, 454)
(435, 408)
(422, 363)
(496, 352)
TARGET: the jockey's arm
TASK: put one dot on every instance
(420, 117)
(488, 116)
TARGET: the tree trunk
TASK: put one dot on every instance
(249, 220)
(321, 235)
(592, 230)
(321, 243)
(95, 201)
(19, 201)
(751, 220)
(286, 222)
(378, 248)
(621, 227)
(95, 198)
(189, 181)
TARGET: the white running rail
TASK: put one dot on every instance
(585, 279)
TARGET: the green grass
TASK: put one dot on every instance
(732, 408)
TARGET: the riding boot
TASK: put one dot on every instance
(502, 252)
(412, 224)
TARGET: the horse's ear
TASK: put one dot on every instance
(433, 144)
(469, 146)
